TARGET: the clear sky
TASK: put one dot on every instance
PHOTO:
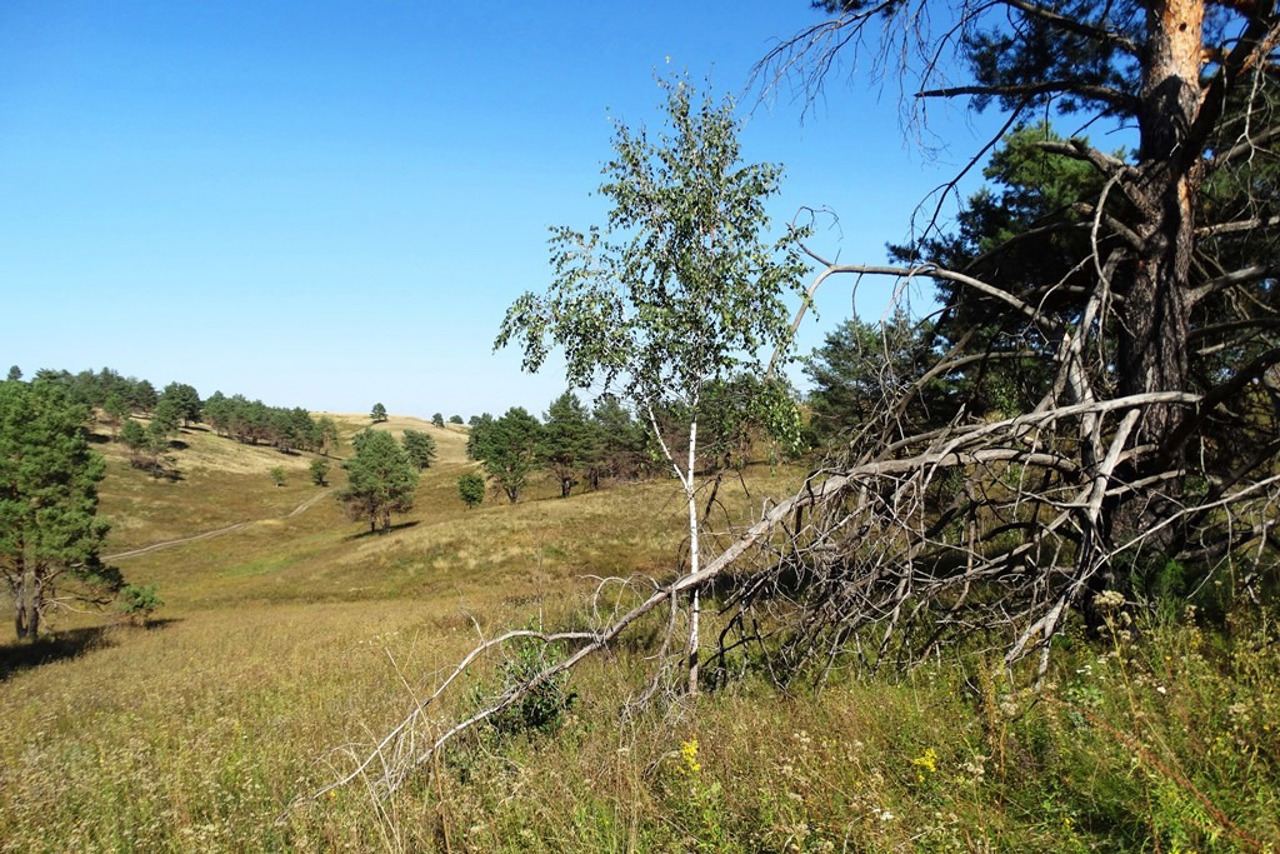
(328, 204)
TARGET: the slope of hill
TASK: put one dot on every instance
(291, 640)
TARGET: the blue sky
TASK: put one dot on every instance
(328, 204)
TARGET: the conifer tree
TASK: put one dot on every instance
(50, 534)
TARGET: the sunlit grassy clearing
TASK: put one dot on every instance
(294, 637)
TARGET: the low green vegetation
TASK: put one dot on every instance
(1160, 729)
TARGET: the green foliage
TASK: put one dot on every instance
(116, 409)
(253, 423)
(134, 437)
(509, 448)
(420, 447)
(736, 412)
(541, 710)
(619, 443)
(471, 489)
(49, 531)
(476, 438)
(166, 416)
(325, 436)
(568, 442)
(455, 419)
(381, 480)
(184, 400)
(319, 471)
(15, 374)
(142, 396)
(378, 413)
(438, 420)
(862, 368)
(139, 601)
(681, 287)
(278, 476)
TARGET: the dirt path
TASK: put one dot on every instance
(154, 547)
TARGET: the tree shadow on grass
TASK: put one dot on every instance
(379, 532)
(16, 657)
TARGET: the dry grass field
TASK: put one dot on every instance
(289, 644)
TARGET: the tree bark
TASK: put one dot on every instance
(1154, 338)
(26, 605)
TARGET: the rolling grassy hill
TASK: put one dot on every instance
(290, 642)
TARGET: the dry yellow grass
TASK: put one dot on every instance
(290, 644)
(451, 440)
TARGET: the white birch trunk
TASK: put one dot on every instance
(690, 495)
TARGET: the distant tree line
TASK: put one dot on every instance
(254, 423)
(609, 444)
(118, 399)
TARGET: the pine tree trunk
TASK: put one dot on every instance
(26, 606)
(1153, 344)
(1153, 341)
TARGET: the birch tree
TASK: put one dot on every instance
(679, 288)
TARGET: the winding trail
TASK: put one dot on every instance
(207, 535)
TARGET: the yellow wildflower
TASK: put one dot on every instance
(927, 761)
(689, 755)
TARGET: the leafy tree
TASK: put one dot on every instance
(509, 448)
(681, 288)
(739, 412)
(319, 471)
(471, 489)
(567, 440)
(378, 414)
(455, 419)
(438, 420)
(15, 373)
(381, 480)
(50, 534)
(420, 447)
(278, 475)
(185, 401)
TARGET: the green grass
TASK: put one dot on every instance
(287, 646)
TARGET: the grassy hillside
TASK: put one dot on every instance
(290, 643)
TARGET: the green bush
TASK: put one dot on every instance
(543, 709)
(139, 601)
(471, 489)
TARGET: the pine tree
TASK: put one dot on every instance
(420, 447)
(381, 480)
(566, 441)
(509, 448)
(50, 534)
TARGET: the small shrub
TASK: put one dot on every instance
(278, 476)
(542, 709)
(319, 471)
(471, 489)
(139, 601)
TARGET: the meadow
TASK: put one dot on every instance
(290, 643)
